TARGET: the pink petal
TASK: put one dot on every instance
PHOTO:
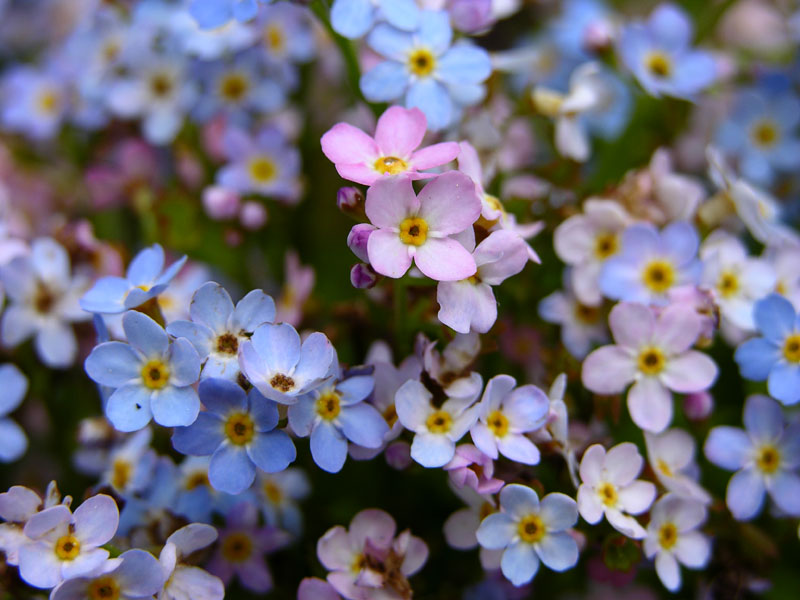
(677, 328)
(608, 370)
(500, 256)
(469, 162)
(390, 201)
(434, 156)
(650, 404)
(455, 300)
(400, 131)
(632, 324)
(449, 203)
(592, 464)
(441, 259)
(374, 524)
(335, 550)
(346, 144)
(359, 173)
(387, 254)
(692, 371)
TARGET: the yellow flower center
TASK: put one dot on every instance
(607, 493)
(439, 422)
(390, 415)
(274, 38)
(240, 429)
(485, 510)
(273, 492)
(228, 343)
(161, 85)
(155, 374)
(728, 284)
(606, 244)
(329, 405)
(48, 102)
(234, 87)
(281, 382)
(43, 299)
(196, 480)
(589, 315)
(791, 348)
(659, 64)
(531, 529)
(764, 133)
(104, 588)
(413, 231)
(421, 62)
(768, 459)
(667, 535)
(652, 361)
(390, 165)
(498, 423)
(781, 287)
(664, 468)
(658, 275)
(67, 547)
(237, 547)
(121, 472)
(262, 169)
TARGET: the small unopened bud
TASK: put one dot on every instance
(253, 215)
(363, 277)
(357, 240)
(471, 15)
(398, 455)
(220, 203)
(599, 36)
(698, 406)
(350, 201)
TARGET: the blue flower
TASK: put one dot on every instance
(145, 279)
(762, 133)
(278, 495)
(660, 56)
(211, 14)
(651, 263)
(529, 531)
(238, 431)
(13, 441)
(153, 376)
(571, 30)
(425, 70)
(775, 356)
(34, 103)
(354, 18)
(217, 328)
(335, 413)
(765, 458)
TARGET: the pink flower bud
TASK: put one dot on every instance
(220, 203)
(253, 215)
(698, 406)
(363, 277)
(350, 201)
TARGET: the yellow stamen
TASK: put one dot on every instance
(421, 62)
(659, 64)
(282, 383)
(262, 170)
(652, 361)
(497, 422)
(764, 133)
(273, 492)
(659, 275)
(329, 405)
(607, 493)
(237, 547)
(390, 165)
(768, 459)
(531, 529)
(728, 284)
(606, 244)
(791, 348)
(155, 374)
(67, 547)
(121, 473)
(439, 422)
(667, 535)
(104, 588)
(234, 87)
(413, 231)
(240, 429)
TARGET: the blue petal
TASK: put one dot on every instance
(278, 345)
(619, 280)
(763, 419)
(13, 442)
(170, 272)
(221, 396)
(352, 18)
(785, 491)
(728, 447)
(783, 383)
(301, 415)
(146, 266)
(435, 31)
(355, 389)
(755, 358)
(174, 406)
(432, 450)
(210, 14)
(14, 386)
(316, 358)
(201, 438)
(680, 240)
(231, 469)
(263, 411)
(774, 317)
(403, 14)
(519, 563)
(145, 334)
(386, 81)
(200, 336)
(272, 452)
(106, 296)
(137, 296)
(113, 364)
(496, 531)
(745, 494)
(253, 310)
(559, 551)
(463, 64)
(694, 71)
(212, 306)
(467, 94)
(363, 425)
(184, 363)
(128, 408)
(328, 447)
(390, 42)
(670, 26)
(431, 98)
(245, 10)
(519, 500)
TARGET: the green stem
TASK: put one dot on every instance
(400, 299)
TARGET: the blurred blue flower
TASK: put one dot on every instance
(765, 458)
(145, 279)
(572, 29)
(775, 356)
(211, 14)
(660, 56)
(153, 376)
(354, 18)
(761, 133)
(238, 431)
(33, 102)
(13, 441)
(425, 71)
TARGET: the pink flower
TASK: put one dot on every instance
(654, 354)
(473, 468)
(417, 228)
(363, 159)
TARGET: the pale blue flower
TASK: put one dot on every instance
(765, 457)
(775, 356)
(529, 531)
(145, 279)
(34, 102)
(333, 414)
(238, 431)
(217, 328)
(138, 575)
(278, 496)
(13, 441)
(660, 56)
(354, 18)
(425, 71)
(153, 376)
(211, 14)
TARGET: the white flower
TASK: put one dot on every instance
(671, 455)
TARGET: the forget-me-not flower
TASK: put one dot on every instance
(238, 430)
(424, 70)
(153, 376)
(531, 531)
(211, 14)
(14, 386)
(354, 18)
(775, 356)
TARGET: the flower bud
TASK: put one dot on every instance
(357, 240)
(363, 277)
(220, 203)
(350, 201)
(698, 406)
(253, 215)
